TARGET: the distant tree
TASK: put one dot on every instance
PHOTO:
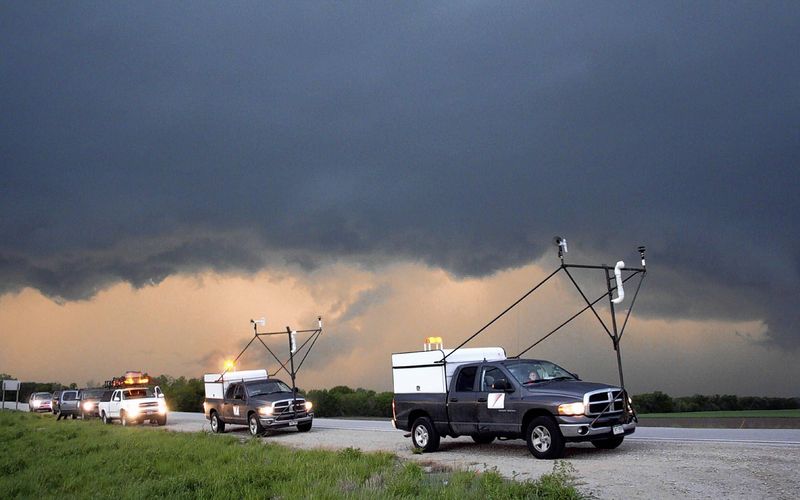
(654, 402)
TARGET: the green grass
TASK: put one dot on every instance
(723, 414)
(40, 457)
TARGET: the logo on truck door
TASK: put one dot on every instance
(496, 401)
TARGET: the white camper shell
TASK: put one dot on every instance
(424, 371)
(216, 383)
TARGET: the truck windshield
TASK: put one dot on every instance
(534, 371)
(265, 387)
(92, 394)
(139, 393)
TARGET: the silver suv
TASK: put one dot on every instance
(68, 405)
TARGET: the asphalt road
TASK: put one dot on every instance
(189, 422)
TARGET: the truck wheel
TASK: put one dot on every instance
(608, 444)
(424, 436)
(104, 418)
(544, 438)
(217, 425)
(161, 421)
(482, 438)
(123, 417)
(255, 425)
(304, 427)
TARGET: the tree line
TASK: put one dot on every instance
(658, 402)
(187, 394)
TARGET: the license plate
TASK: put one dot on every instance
(617, 429)
(292, 422)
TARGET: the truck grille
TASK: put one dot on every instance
(147, 405)
(604, 401)
(283, 406)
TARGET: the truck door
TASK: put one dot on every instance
(114, 404)
(234, 409)
(496, 410)
(462, 400)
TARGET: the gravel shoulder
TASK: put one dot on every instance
(635, 470)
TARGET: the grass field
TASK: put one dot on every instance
(40, 457)
(725, 414)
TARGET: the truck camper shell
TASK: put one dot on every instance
(429, 372)
(217, 383)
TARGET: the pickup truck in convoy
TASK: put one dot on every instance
(478, 392)
(131, 405)
(250, 398)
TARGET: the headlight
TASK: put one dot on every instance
(571, 409)
(309, 405)
(88, 406)
(133, 411)
(162, 407)
(266, 410)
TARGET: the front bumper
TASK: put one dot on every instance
(277, 423)
(147, 415)
(580, 428)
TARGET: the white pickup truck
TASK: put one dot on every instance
(131, 405)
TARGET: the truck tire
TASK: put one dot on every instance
(544, 438)
(217, 425)
(482, 438)
(161, 421)
(424, 435)
(254, 425)
(123, 417)
(304, 427)
(105, 418)
(608, 444)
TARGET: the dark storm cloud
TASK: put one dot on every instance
(150, 139)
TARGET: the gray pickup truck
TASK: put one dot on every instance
(529, 399)
(261, 404)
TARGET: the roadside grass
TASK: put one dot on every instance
(725, 414)
(40, 457)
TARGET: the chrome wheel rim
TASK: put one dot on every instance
(214, 423)
(253, 426)
(421, 436)
(541, 438)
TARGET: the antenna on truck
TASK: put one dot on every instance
(294, 351)
(614, 282)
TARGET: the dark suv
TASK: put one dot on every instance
(88, 402)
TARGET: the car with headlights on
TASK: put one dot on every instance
(132, 405)
(90, 399)
(482, 394)
(254, 400)
(40, 402)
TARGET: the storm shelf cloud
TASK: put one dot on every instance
(143, 140)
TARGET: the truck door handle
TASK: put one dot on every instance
(481, 400)
(454, 400)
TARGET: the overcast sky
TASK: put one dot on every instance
(144, 145)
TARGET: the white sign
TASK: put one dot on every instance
(10, 385)
(496, 401)
(236, 411)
